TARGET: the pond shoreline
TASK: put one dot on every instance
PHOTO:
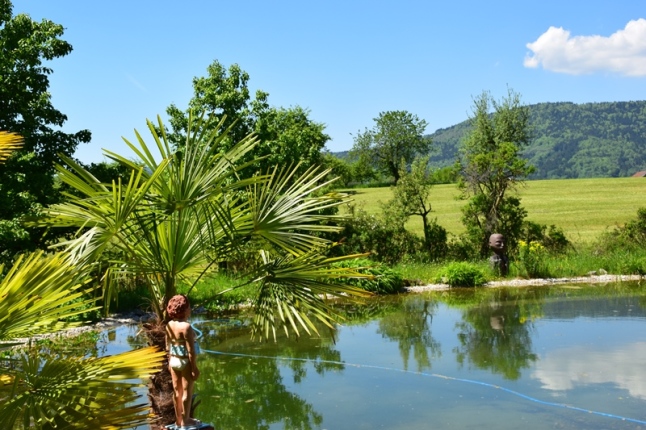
(592, 279)
(137, 317)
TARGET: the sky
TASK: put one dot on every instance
(345, 61)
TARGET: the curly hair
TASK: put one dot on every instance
(178, 307)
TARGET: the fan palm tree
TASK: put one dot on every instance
(182, 212)
(41, 391)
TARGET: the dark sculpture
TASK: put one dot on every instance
(499, 261)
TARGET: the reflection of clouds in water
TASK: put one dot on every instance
(566, 368)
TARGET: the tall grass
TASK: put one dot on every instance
(580, 261)
(583, 208)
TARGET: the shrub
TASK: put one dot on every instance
(461, 248)
(385, 239)
(385, 281)
(461, 274)
(435, 241)
(631, 235)
(635, 230)
(552, 238)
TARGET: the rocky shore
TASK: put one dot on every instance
(107, 322)
(592, 279)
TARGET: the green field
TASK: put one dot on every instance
(583, 208)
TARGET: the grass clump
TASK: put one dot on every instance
(386, 280)
(462, 274)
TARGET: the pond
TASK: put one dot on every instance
(567, 357)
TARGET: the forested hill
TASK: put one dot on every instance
(572, 140)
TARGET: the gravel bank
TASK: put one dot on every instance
(595, 279)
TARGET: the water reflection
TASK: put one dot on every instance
(565, 369)
(250, 392)
(546, 347)
(410, 326)
(497, 335)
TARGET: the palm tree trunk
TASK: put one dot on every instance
(160, 386)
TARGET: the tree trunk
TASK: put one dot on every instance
(160, 386)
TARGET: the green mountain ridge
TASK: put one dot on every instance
(606, 139)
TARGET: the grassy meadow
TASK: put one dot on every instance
(583, 208)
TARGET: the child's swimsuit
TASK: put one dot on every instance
(178, 356)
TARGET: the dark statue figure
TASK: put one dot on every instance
(499, 261)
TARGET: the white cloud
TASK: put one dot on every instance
(623, 52)
(565, 369)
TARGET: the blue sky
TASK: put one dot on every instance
(345, 61)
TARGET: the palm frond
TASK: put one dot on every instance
(286, 212)
(38, 292)
(9, 142)
(77, 393)
(294, 290)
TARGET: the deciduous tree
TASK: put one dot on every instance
(287, 135)
(491, 166)
(27, 177)
(396, 136)
(412, 196)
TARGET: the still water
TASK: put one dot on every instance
(567, 357)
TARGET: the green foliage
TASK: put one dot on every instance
(630, 236)
(445, 175)
(412, 192)
(61, 389)
(435, 241)
(531, 258)
(224, 94)
(461, 274)
(416, 272)
(287, 136)
(586, 260)
(634, 231)
(27, 178)
(396, 137)
(384, 237)
(339, 168)
(491, 167)
(106, 172)
(84, 393)
(552, 238)
(219, 292)
(631, 264)
(411, 196)
(383, 280)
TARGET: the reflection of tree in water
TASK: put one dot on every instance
(249, 392)
(410, 326)
(496, 334)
